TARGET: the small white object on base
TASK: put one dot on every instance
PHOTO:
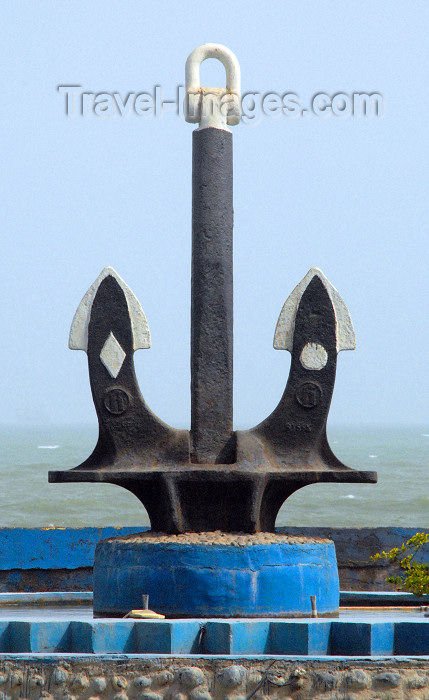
(145, 615)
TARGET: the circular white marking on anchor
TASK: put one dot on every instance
(313, 356)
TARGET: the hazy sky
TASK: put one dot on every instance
(347, 194)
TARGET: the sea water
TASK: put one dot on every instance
(400, 455)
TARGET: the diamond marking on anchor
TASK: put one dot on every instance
(112, 356)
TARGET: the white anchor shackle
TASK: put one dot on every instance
(212, 106)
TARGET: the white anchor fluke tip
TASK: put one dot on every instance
(78, 339)
(283, 336)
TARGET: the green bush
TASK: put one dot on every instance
(414, 576)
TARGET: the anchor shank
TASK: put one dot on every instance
(212, 296)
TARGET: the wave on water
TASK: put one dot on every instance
(398, 454)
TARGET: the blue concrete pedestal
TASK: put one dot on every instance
(216, 575)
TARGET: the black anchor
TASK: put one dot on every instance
(212, 477)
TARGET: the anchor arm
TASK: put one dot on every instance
(109, 325)
(297, 426)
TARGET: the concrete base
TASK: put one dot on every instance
(61, 559)
(216, 575)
